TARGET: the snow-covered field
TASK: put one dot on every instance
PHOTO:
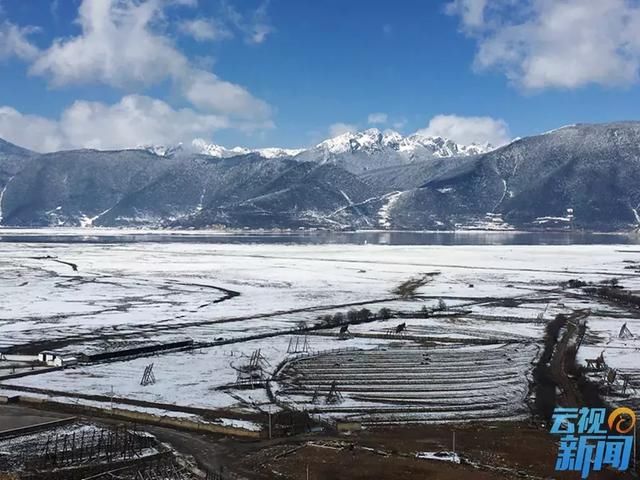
(125, 295)
(190, 378)
(412, 384)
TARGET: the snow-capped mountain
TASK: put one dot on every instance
(373, 140)
(370, 141)
(371, 149)
(357, 152)
(441, 147)
(276, 152)
(162, 150)
(582, 176)
(202, 146)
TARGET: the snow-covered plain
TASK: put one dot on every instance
(125, 295)
(189, 378)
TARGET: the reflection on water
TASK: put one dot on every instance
(322, 237)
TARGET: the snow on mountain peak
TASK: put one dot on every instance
(441, 147)
(373, 140)
(205, 148)
(369, 140)
(276, 152)
(161, 150)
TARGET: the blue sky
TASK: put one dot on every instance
(117, 73)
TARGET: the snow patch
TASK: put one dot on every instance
(201, 202)
(571, 125)
(384, 214)
(543, 220)
(2, 192)
(346, 197)
(442, 456)
(86, 222)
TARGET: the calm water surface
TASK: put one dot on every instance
(304, 238)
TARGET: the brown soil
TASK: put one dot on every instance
(498, 450)
(492, 451)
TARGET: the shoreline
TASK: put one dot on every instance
(302, 232)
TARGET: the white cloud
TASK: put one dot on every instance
(14, 42)
(399, 124)
(470, 11)
(121, 46)
(377, 118)
(467, 130)
(29, 131)
(184, 3)
(205, 29)
(134, 120)
(341, 128)
(116, 47)
(255, 26)
(209, 92)
(555, 44)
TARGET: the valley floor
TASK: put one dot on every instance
(240, 334)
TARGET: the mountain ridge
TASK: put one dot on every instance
(396, 148)
(584, 176)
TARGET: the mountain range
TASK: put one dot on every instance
(354, 151)
(579, 176)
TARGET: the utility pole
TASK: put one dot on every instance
(454, 441)
(307, 471)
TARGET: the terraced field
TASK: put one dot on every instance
(415, 384)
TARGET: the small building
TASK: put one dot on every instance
(53, 359)
(18, 358)
(64, 361)
(47, 357)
